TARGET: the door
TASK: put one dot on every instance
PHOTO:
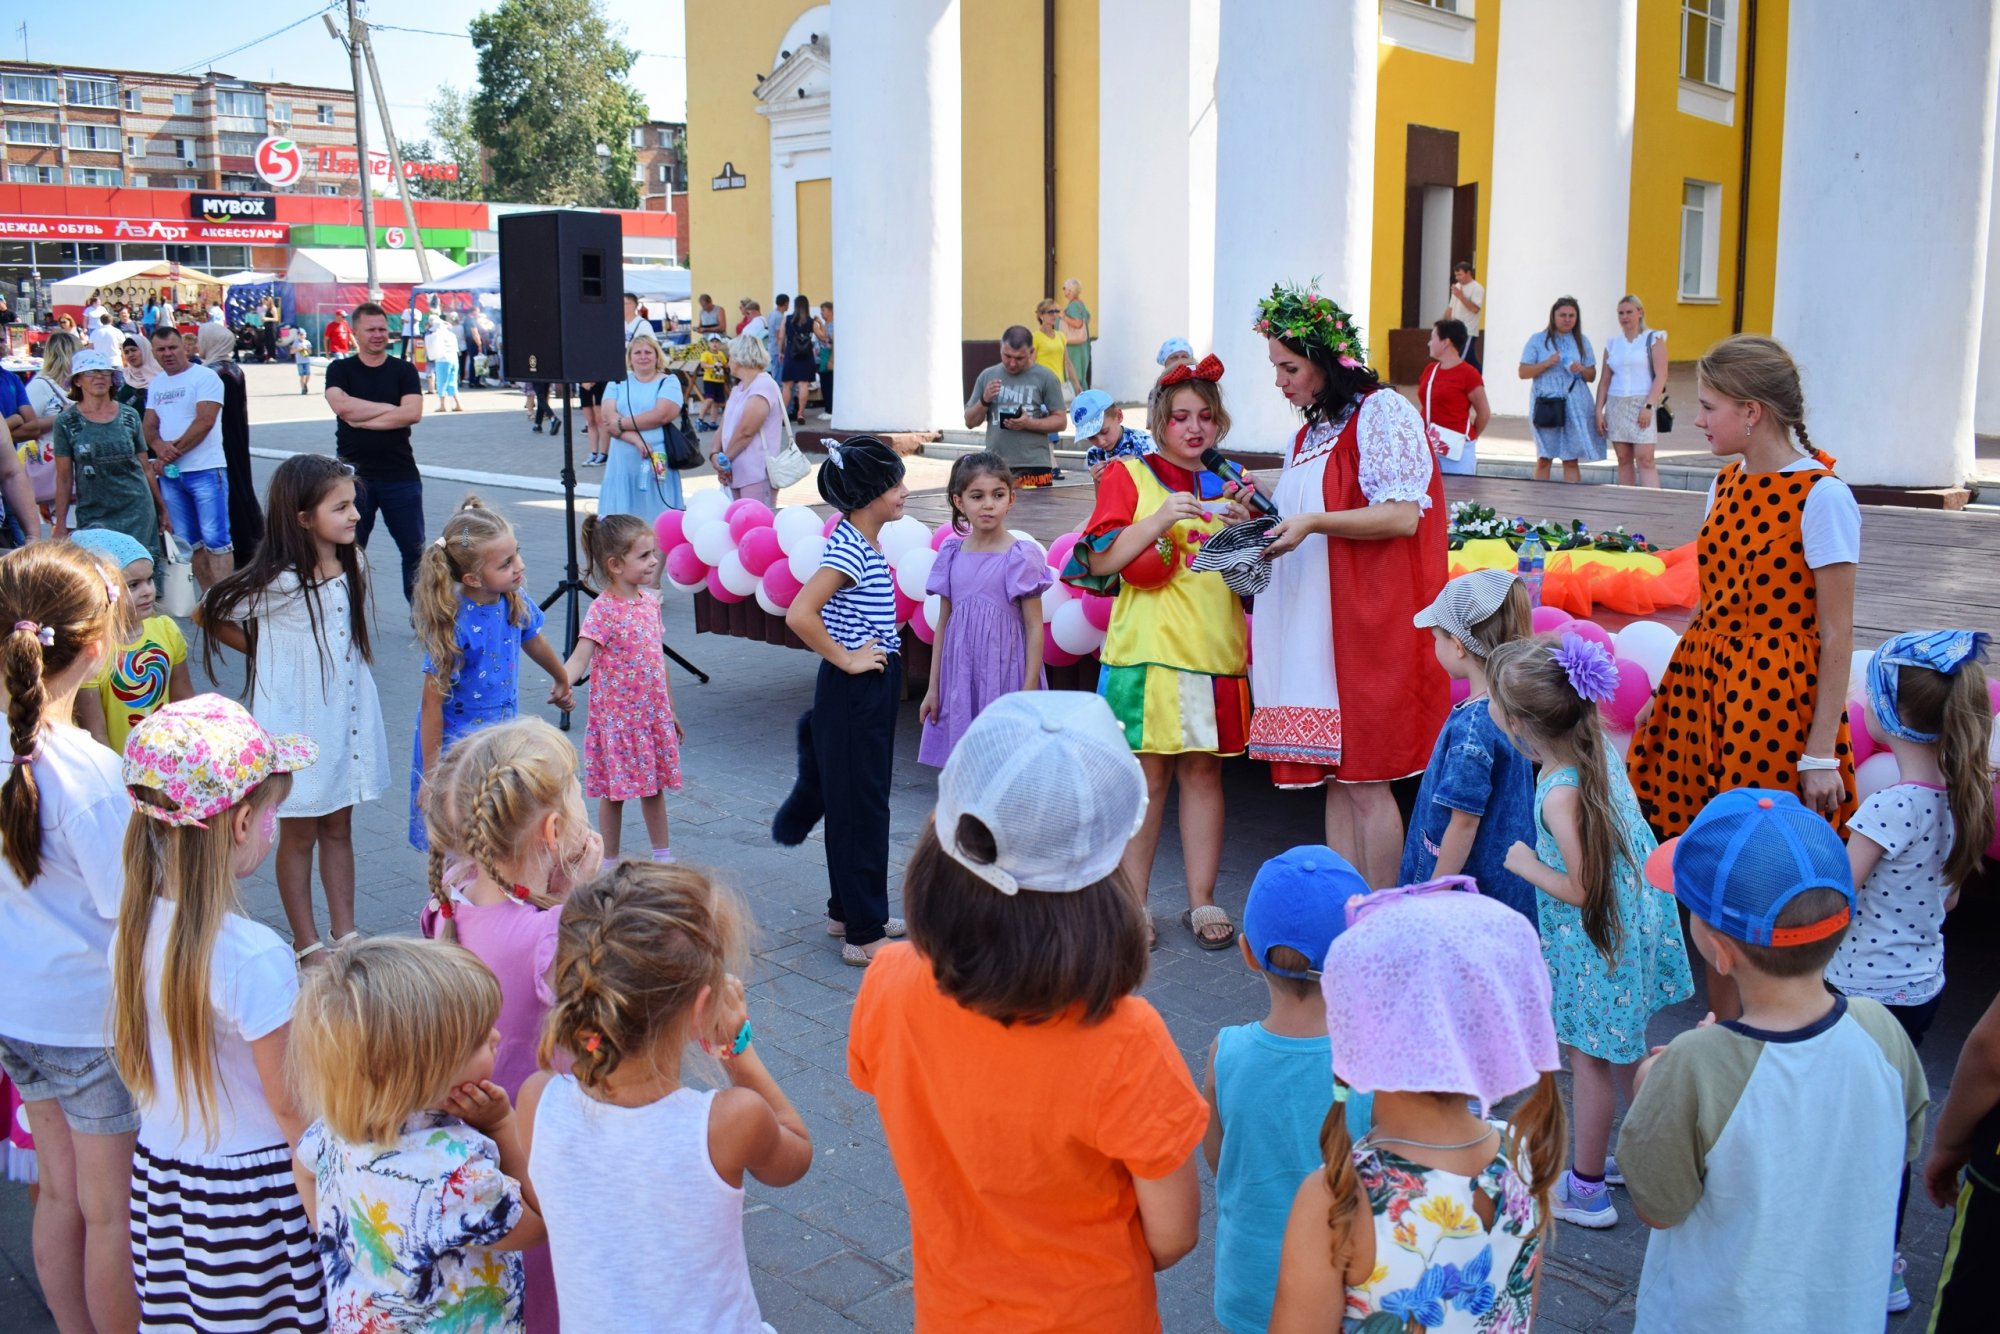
(815, 221)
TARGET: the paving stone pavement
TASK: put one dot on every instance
(834, 1251)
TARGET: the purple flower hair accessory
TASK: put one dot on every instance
(1588, 668)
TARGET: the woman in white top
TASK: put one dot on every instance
(1629, 393)
(753, 428)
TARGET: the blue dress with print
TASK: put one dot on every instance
(488, 688)
(1601, 1009)
(629, 485)
(1577, 437)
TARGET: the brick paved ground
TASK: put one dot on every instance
(833, 1252)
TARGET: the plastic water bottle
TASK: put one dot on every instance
(1528, 562)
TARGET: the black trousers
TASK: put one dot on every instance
(826, 391)
(853, 724)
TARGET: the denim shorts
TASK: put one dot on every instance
(83, 1081)
(198, 504)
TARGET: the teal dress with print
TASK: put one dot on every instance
(1601, 1010)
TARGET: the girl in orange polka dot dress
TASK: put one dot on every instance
(1740, 704)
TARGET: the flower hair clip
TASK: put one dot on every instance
(1588, 667)
(591, 1041)
(44, 634)
(112, 590)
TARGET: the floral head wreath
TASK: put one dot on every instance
(1309, 318)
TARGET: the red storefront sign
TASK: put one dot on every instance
(168, 230)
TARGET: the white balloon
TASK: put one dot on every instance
(1053, 599)
(766, 601)
(795, 523)
(1878, 771)
(1993, 746)
(902, 536)
(1022, 535)
(804, 557)
(915, 571)
(706, 505)
(1857, 676)
(934, 608)
(734, 577)
(710, 539)
(1648, 644)
(1072, 630)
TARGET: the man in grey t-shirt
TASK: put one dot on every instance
(1020, 403)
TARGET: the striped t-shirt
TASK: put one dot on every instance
(865, 606)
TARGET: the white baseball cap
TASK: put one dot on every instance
(1050, 775)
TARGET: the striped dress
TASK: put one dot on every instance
(220, 1239)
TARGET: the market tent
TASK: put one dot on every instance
(335, 264)
(644, 280)
(481, 277)
(136, 276)
(245, 289)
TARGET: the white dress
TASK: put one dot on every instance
(332, 701)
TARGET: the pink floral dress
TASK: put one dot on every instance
(629, 749)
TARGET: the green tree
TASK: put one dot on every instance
(552, 93)
(451, 140)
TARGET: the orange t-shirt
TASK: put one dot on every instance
(1017, 1148)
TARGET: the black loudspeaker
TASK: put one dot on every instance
(562, 278)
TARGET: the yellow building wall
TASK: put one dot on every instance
(815, 214)
(1076, 150)
(1767, 150)
(1001, 84)
(1416, 88)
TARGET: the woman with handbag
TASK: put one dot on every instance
(641, 411)
(48, 399)
(1563, 414)
(1629, 394)
(1452, 395)
(753, 423)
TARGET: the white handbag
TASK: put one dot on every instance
(179, 594)
(789, 464)
(1454, 442)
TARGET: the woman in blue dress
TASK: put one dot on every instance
(639, 407)
(1558, 360)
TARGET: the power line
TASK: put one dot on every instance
(464, 36)
(237, 50)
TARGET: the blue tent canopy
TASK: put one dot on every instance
(646, 280)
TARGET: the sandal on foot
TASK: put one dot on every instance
(1200, 920)
(893, 928)
(301, 955)
(347, 939)
(856, 956)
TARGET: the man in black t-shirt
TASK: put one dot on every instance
(377, 399)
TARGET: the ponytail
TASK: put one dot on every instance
(1965, 739)
(1336, 1146)
(20, 797)
(1602, 838)
(1540, 1133)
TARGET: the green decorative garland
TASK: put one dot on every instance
(1309, 318)
(1470, 521)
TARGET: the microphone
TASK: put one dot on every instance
(1213, 460)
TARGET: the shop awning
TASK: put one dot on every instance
(129, 273)
(331, 264)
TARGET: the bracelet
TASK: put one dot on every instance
(742, 1039)
(1813, 764)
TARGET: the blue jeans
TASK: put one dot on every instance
(401, 505)
(198, 504)
(83, 1081)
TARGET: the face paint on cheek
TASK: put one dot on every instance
(270, 824)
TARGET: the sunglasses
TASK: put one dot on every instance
(1362, 904)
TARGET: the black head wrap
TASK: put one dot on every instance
(857, 470)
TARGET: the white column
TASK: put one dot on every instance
(1882, 230)
(1986, 402)
(1204, 34)
(897, 235)
(1294, 182)
(1562, 175)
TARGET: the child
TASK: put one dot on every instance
(413, 1172)
(144, 674)
(1040, 1117)
(1267, 1090)
(1436, 1217)
(302, 351)
(714, 381)
(1101, 422)
(63, 813)
(1736, 1172)
(474, 625)
(1477, 796)
(1175, 352)
(1175, 660)
(631, 744)
(1967, 1140)
(1613, 949)
(989, 630)
(1913, 845)
(847, 741)
(299, 613)
(642, 970)
(203, 1009)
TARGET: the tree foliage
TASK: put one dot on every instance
(451, 140)
(552, 90)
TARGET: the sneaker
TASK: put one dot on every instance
(1612, 1176)
(1585, 1206)
(894, 928)
(1899, 1291)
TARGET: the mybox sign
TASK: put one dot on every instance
(233, 208)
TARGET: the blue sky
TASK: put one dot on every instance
(413, 64)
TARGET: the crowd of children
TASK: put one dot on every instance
(546, 1109)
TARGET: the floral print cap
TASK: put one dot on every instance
(206, 754)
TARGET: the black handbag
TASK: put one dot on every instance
(1663, 416)
(681, 451)
(1550, 413)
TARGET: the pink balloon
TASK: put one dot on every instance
(745, 515)
(1993, 848)
(1858, 736)
(715, 587)
(1461, 691)
(1060, 548)
(1993, 693)
(683, 566)
(1097, 610)
(906, 606)
(920, 626)
(669, 528)
(1593, 631)
(1632, 692)
(944, 533)
(1054, 654)
(1545, 619)
(758, 549)
(781, 584)
(832, 522)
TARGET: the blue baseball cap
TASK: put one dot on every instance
(1087, 412)
(1748, 854)
(1299, 900)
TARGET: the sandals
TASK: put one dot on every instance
(299, 956)
(893, 928)
(1208, 915)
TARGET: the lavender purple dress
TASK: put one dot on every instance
(984, 652)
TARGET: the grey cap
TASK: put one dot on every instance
(1465, 602)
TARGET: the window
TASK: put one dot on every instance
(97, 138)
(135, 145)
(1443, 28)
(281, 112)
(1705, 42)
(236, 145)
(22, 174)
(139, 181)
(27, 88)
(134, 100)
(183, 149)
(32, 132)
(106, 176)
(227, 258)
(1701, 236)
(182, 182)
(183, 104)
(91, 92)
(326, 113)
(329, 189)
(639, 138)
(230, 103)
(244, 183)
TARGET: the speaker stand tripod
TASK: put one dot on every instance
(571, 586)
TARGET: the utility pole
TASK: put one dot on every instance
(395, 155)
(356, 32)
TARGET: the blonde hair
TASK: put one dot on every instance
(634, 950)
(1531, 688)
(749, 350)
(381, 1029)
(1159, 405)
(456, 553)
(608, 537)
(1958, 710)
(1637, 304)
(188, 866)
(57, 354)
(1751, 368)
(659, 353)
(486, 797)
